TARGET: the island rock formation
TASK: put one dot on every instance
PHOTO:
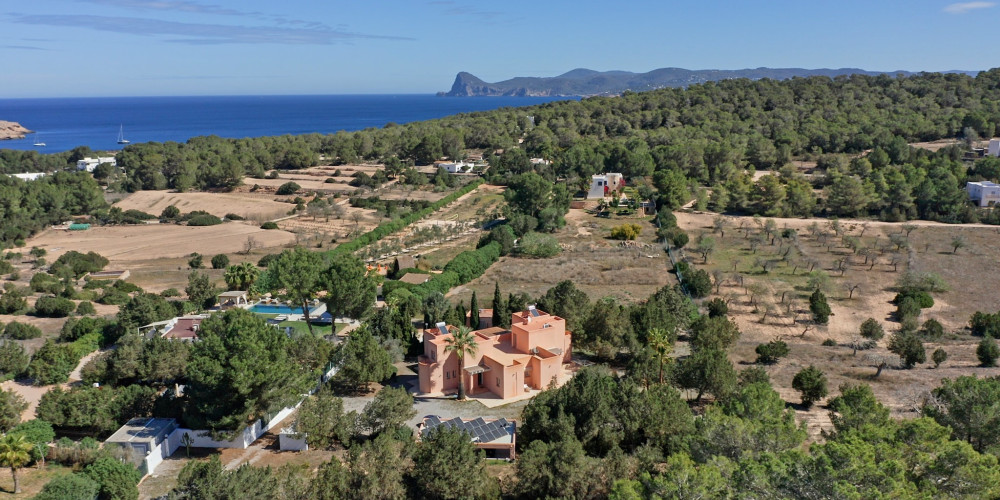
(12, 130)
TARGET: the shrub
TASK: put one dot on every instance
(538, 245)
(204, 220)
(921, 297)
(171, 212)
(12, 302)
(771, 352)
(269, 225)
(13, 359)
(79, 263)
(699, 283)
(908, 347)
(907, 308)
(829, 343)
(987, 351)
(985, 324)
(170, 292)
(234, 217)
(54, 307)
(220, 261)
(21, 331)
(811, 382)
(872, 330)
(717, 308)
(69, 486)
(45, 283)
(329, 180)
(6, 267)
(288, 188)
(932, 329)
(52, 363)
(133, 216)
(678, 238)
(117, 480)
(819, 308)
(195, 262)
(76, 328)
(626, 232)
(939, 356)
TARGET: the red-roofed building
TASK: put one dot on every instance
(508, 363)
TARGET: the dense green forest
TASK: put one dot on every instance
(675, 140)
(636, 435)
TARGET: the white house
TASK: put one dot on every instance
(985, 193)
(30, 176)
(604, 184)
(994, 148)
(457, 168)
(89, 164)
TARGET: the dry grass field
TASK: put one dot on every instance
(969, 274)
(596, 264)
(255, 206)
(314, 178)
(124, 244)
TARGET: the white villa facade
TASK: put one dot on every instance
(604, 184)
(89, 164)
(994, 148)
(984, 193)
(457, 168)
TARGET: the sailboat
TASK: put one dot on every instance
(121, 136)
(38, 142)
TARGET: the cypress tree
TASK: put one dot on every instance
(474, 312)
(499, 307)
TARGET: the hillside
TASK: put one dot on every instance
(586, 82)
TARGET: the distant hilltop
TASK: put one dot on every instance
(586, 82)
(12, 130)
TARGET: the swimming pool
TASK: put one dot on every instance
(276, 309)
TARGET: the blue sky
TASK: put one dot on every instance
(69, 48)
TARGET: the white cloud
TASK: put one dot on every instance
(201, 34)
(964, 7)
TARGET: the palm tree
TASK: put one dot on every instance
(461, 342)
(241, 276)
(659, 340)
(15, 452)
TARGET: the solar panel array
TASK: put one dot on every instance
(533, 311)
(443, 328)
(480, 430)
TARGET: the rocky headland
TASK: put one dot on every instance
(12, 130)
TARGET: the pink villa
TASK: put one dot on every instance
(507, 363)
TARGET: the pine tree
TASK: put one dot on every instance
(474, 312)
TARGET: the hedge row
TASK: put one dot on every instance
(390, 227)
(464, 268)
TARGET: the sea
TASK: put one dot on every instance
(65, 123)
